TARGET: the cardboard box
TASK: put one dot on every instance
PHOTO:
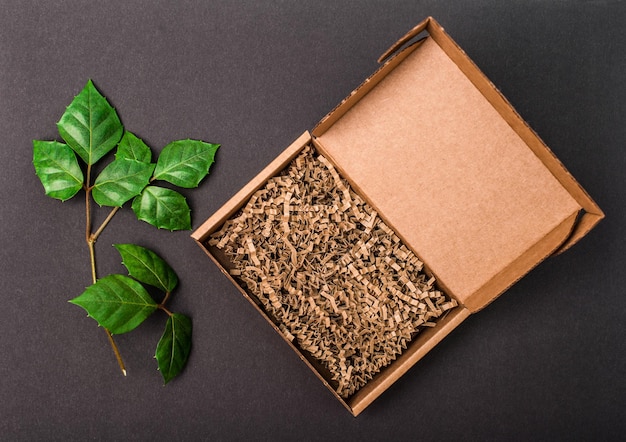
(445, 160)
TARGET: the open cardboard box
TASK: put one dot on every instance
(445, 160)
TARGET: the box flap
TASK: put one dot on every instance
(444, 158)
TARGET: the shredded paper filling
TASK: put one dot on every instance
(337, 281)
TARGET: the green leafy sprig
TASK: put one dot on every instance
(91, 129)
(120, 303)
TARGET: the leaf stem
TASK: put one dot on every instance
(165, 298)
(88, 207)
(116, 350)
(91, 240)
(97, 233)
(162, 307)
(92, 259)
(162, 304)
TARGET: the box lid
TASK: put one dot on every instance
(445, 159)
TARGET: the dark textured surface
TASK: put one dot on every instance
(545, 361)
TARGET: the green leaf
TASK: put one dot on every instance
(90, 126)
(120, 181)
(174, 346)
(133, 148)
(57, 168)
(146, 266)
(185, 162)
(163, 208)
(117, 302)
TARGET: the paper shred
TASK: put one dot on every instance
(336, 280)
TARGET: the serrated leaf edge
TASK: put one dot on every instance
(150, 268)
(171, 376)
(78, 181)
(151, 306)
(159, 174)
(149, 221)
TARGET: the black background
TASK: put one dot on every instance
(547, 360)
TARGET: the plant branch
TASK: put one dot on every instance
(97, 233)
(162, 307)
(116, 350)
(92, 259)
(165, 298)
(162, 304)
(91, 239)
(88, 206)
